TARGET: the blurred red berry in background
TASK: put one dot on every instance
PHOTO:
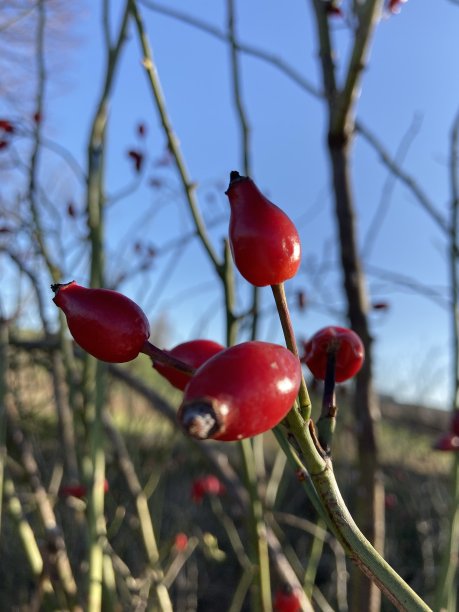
(206, 485)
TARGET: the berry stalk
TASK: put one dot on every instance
(164, 358)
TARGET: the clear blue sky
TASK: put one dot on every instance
(411, 73)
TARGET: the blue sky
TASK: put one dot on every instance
(409, 74)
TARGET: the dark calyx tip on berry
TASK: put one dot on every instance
(198, 419)
(235, 177)
(56, 286)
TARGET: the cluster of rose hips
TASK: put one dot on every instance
(229, 393)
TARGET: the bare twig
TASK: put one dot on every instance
(381, 210)
(413, 186)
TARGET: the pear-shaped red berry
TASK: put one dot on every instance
(105, 323)
(241, 392)
(264, 241)
(194, 353)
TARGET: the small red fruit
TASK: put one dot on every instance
(7, 126)
(241, 392)
(348, 348)
(180, 542)
(394, 6)
(105, 323)
(454, 426)
(287, 599)
(193, 353)
(380, 306)
(79, 490)
(447, 442)
(206, 485)
(264, 241)
(333, 8)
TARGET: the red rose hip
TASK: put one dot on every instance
(264, 242)
(348, 349)
(105, 323)
(194, 353)
(287, 599)
(241, 392)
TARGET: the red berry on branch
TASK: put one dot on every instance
(105, 323)
(333, 8)
(141, 129)
(193, 353)
(395, 6)
(287, 599)
(380, 306)
(241, 392)
(348, 349)
(447, 442)
(79, 490)
(180, 541)
(206, 485)
(264, 242)
(6, 126)
(454, 427)
(4, 144)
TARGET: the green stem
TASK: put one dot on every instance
(25, 531)
(290, 340)
(259, 542)
(320, 470)
(95, 373)
(146, 526)
(3, 398)
(172, 142)
(313, 560)
(448, 571)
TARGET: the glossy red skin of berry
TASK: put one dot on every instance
(349, 348)
(286, 600)
(105, 323)
(264, 241)
(193, 353)
(251, 387)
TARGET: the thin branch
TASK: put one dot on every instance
(237, 94)
(342, 113)
(248, 49)
(411, 284)
(404, 177)
(53, 533)
(381, 210)
(173, 145)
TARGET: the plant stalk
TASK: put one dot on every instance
(356, 546)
